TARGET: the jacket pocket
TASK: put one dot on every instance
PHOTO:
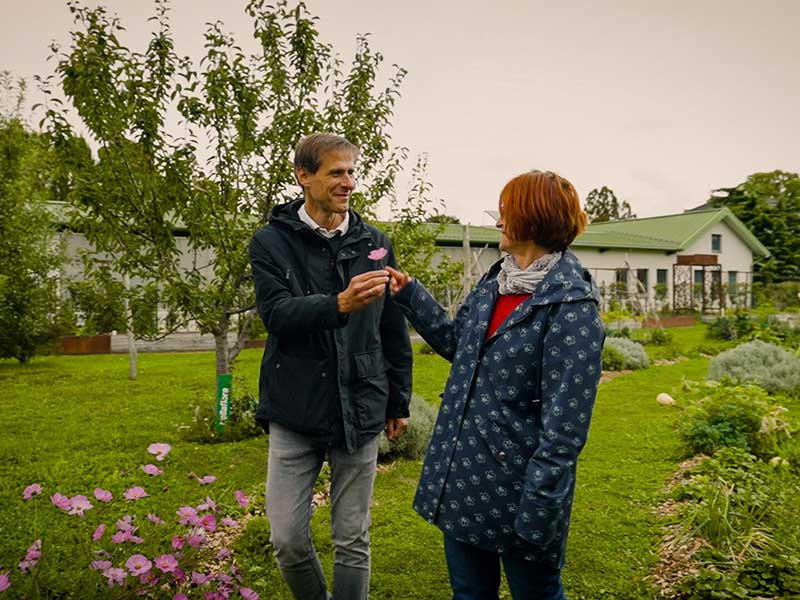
(370, 389)
(302, 393)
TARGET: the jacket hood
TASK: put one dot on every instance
(567, 281)
(286, 213)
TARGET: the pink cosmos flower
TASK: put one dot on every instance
(98, 533)
(188, 515)
(115, 575)
(79, 504)
(207, 504)
(241, 498)
(32, 490)
(148, 579)
(177, 542)
(126, 524)
(378, 254)
(224, 578)
(201, 578)
(32, 557)
(4, 581)
(223, 554)
(151, 469)
(160, 450)
(248, 594)
(180, 596)
(125, 535)
(155, 519)
(195, 541)
(61, 501)
(209, 523)
(166, 563)
(228, 522)
(207, 479)
(138, 564)
(100, 565)
(211, 596)
(179, 576)
(135, 493)
(103, 495)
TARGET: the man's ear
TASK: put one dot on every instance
(302, 176)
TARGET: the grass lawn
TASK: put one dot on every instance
(76, 423)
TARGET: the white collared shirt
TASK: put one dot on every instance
(328, 233)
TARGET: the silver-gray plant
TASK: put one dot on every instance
(634, 354)
(770, 366)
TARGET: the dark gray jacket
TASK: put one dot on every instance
(331, 377)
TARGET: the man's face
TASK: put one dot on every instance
(329, 189)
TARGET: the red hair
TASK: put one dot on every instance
(542, 207)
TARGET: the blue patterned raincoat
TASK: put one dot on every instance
(500, 469)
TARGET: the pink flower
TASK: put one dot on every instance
(206, 479)
(378, 254)
(228, 522)
(4, 582)
(207, 504)
(209, 523)
(148, 579)
(177, 542)
(223, 554)
(79, 504)
(155, 519)
(98, 533)
(32, 557)
(135, 493)
(188, 515)
(179, 576)
(241, 498)
(180, 596)
(201, 578)
(166, 563)
(160, 450)
(61, 501)
(103, 495)
(32, 490)
(212, 596)
(248, 594)
(115, 575)
(126, 524)
(100, 565)
(151, 469)
(195, 541)
(138, 564)
(126, 535)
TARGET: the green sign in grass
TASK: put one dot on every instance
(224, 386)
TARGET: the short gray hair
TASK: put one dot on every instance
(309, 150)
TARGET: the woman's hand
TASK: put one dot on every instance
(397, 280)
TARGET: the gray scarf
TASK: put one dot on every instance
(513, 280)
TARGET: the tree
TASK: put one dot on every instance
(31, 315)
(444, 219)
(239, 117)
(769, 204)
(603, 205)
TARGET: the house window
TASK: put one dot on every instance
(661, 276)
(716, 242)
(642, 278)
(732, 279)
(699, 277)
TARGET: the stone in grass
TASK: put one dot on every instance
(777, 461)
(665, 399)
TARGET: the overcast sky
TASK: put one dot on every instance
(662, 101)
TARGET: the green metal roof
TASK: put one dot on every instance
(669, 233)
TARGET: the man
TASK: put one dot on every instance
(336, 370)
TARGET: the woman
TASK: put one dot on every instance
(499, 475)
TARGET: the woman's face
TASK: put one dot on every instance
(506, 244)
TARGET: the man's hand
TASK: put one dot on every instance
(363, 290)
(398, 280)
(395, 428)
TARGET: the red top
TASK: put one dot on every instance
(505, 306)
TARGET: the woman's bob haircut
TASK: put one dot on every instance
(542, 207)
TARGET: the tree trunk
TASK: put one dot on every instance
(244, 334)
(132, 354)
(221, 349)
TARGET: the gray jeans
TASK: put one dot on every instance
(293, 467)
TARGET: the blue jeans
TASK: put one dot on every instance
(293, 467)
(475, 574)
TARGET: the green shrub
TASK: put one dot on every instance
(660, 337)
(633, 353)
(414, 442)
(612, 359)
(623, 332)
(767, 365)
(254, 541)
(735, 416)
(241, 423)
